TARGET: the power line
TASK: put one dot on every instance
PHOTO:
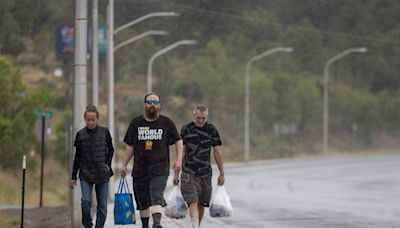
(325, 32)
(258, 20)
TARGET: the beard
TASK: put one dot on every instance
(152, 112)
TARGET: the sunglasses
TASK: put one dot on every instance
(155, 102)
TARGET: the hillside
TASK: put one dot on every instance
(286, 89)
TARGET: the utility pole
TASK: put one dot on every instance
(23, 190)
(80, 90)
(42, 161)
(110, 67)
(95, 54)
(110, 81)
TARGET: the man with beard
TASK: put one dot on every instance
(148, 138)
(199, 137)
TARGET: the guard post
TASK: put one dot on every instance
(23, 191)
(43, 115)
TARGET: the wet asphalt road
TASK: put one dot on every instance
(355, 192)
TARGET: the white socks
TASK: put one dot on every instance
(195, 222)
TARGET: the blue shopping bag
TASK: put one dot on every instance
(124, 210)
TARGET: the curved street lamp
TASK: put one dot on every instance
(147, 16)
(160, 52)
(247, 95)
(326, 76)
(140, 36)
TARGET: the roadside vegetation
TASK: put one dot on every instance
(55, 185)
(286, 89)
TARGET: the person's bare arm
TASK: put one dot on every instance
(128, 155)
(179, 155)
(220, 164)
(176, 175)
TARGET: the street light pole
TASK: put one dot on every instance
(110, 66)
(147, 16)
(95, 54)
(326, 76)
(160, 52)
(80, 91)
(140, 36)
(247, 96)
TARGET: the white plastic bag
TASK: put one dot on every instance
(221, 204)
(176, 205)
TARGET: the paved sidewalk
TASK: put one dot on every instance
(166, 222)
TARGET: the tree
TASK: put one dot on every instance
(31, 15)
(17, 117)
(307, 43)
(10, 37)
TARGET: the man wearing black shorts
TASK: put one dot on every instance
(149, 137)
(198, 138)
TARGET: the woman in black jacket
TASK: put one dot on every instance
(93, 156)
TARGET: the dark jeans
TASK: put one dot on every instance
(86, 201)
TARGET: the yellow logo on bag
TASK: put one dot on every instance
(128, 214)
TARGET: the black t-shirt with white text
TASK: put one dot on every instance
(151, 141)
(198, 142)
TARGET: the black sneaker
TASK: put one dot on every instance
(157, 226)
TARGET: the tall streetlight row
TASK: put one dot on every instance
(325, 96)
(111, 49)
(110, 64)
